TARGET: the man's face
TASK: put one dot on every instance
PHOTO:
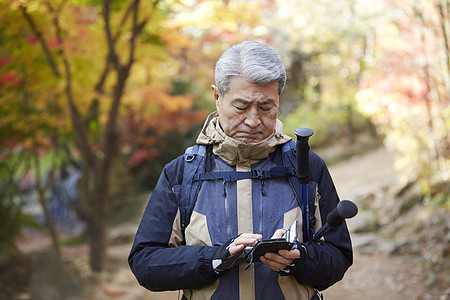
(248, 111)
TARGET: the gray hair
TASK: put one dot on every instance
(253, 61)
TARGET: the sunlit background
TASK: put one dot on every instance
(96, 96)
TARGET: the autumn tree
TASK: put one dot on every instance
(109, 68)
(91, 80)
(32, 133)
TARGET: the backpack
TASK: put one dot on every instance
(193, 175)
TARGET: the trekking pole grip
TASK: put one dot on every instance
(302, 146)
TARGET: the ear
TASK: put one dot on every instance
(216, 95)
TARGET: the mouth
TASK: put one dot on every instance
(247, 137)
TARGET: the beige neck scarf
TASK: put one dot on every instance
(233, 151)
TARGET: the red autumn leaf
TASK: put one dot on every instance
(4, 60)
(53, 43)
(10, 79)
(32, 39)
(141, 155)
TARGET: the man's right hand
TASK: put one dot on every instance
(245, 239)
(230, 254)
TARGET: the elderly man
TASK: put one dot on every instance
(221, 196)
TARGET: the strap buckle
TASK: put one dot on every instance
(259, 174)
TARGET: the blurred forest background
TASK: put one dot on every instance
(96, 96)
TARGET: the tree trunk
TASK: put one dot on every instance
(41, 189)
(98, 238)
(94, 195)
(49, 222)
(350, 125)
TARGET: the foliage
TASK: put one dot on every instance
(163, 122)
(206, 29)
(406, 90)
(389, 65)
(150, 116)
(30, 122)
(59, 98)
(323, 56)
(12, 219)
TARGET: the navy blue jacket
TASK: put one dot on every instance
(160, 264)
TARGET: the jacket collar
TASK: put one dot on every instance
(233, 151)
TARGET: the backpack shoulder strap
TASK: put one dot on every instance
(193, 157)
(288, 147)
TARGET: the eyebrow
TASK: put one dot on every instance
(243, 101)
(264, 102)
(267, 101)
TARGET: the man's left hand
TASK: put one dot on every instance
(279, 261)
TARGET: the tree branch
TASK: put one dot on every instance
(93, 111)
(81, 134)
(137, 29)
(42, 41)
(109, 60)
(123, 71)
(113, 57)
(444, 33)
(134, 34)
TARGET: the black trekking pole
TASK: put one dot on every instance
(303, 174)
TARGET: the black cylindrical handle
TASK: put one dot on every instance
(302, 146)
(344, 210)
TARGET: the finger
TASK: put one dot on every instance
(247, 239)
(235, 249)
(278, 262)
(274, 265)
(250, 235)
(277, 259)
(289, 254)
(278, 233)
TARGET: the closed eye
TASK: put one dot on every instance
(266, 105)
(241, 104)
(265, 108)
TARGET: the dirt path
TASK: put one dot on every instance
(379, 275)
(373, 276)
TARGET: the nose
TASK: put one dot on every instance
(252, 118)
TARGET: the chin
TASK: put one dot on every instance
(249, 139)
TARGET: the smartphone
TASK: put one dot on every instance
(287, 242)
(265, 246)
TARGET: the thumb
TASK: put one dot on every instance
(278, 233)
(236, 249)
